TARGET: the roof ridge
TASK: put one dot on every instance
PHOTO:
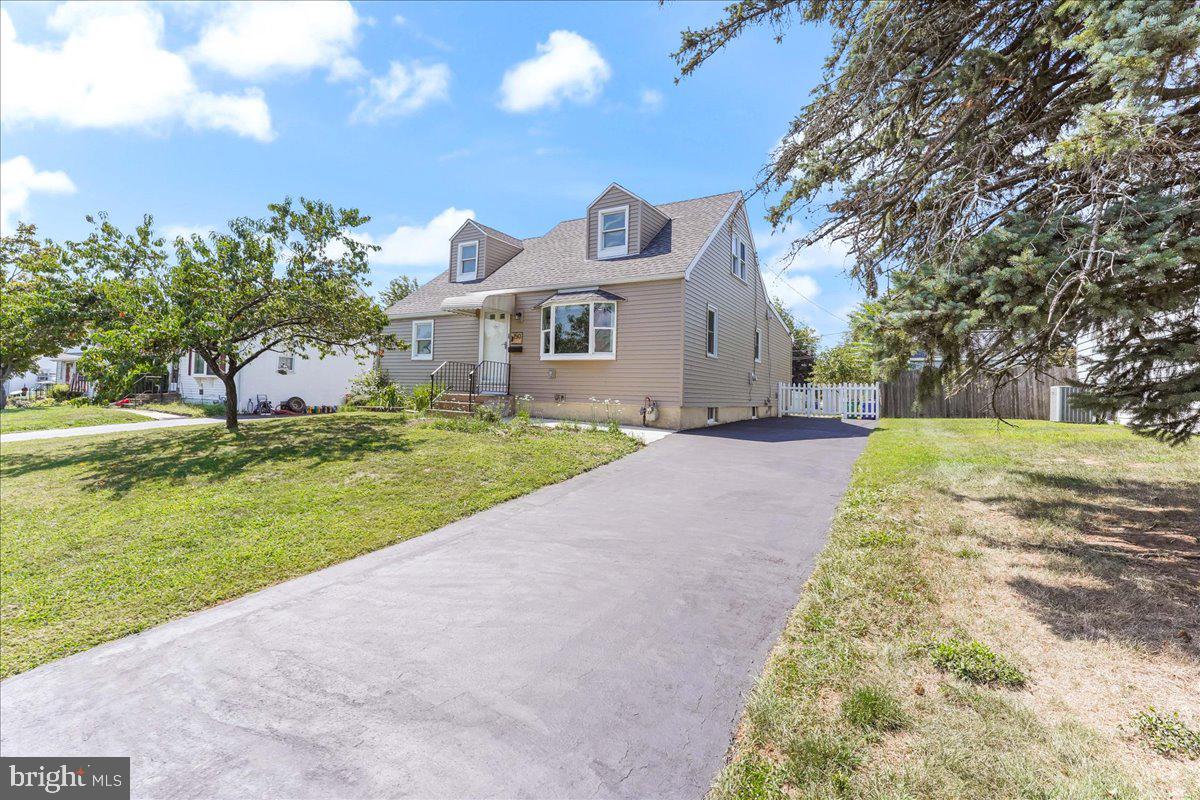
(656, 205)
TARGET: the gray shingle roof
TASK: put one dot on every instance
(559, 259)
(501, 235)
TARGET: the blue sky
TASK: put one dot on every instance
(418, 114)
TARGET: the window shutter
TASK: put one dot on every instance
(189, 361)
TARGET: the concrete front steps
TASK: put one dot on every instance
(454, 404)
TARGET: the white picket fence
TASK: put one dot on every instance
(845, 400)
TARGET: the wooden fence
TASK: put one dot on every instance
(1025, 398)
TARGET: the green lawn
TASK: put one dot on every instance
(995, 609)
(106, 536)
(187, 409)
(14, 420)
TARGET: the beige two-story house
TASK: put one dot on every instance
(659, 307)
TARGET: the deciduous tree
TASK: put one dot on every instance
(291, 281)
(41, 303)
(396, 290)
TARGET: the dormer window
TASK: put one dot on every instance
(468, 260)
(614, 231)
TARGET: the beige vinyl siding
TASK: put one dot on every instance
(651, 222)
(647, 359)
(469, 233)
(455, 338)
(615, 196)
(498, 253)
(741, 306)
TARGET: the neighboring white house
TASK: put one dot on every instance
(50, 370)
(278, 376)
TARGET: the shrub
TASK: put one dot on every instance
(79, 401)
(873, 708)
(59, 391)
(1168, 735)
(365, 387)
(976, 662)
(422, 396)
(487, 414)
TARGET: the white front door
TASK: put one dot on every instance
(495, 336)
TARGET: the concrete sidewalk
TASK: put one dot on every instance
(171, 421)
(595, 638)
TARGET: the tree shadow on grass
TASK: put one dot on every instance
(1129, 562)
(119, 464)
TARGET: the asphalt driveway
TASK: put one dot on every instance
(593, 639)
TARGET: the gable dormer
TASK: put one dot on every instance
(477, 251)
(620, 224)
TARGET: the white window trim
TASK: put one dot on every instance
(735, 256)
(291, 358)
(758, 345)
(611, 252)
(458, 270)
(716, 331)
(196, 373)
(413, 354)
(714, 415)
(591, 355)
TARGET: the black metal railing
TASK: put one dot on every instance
(149, 384)
(451, 376)
(463, 377)
(491, 377)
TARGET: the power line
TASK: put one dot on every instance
(779, 278)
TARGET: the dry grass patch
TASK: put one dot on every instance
(1070, 551)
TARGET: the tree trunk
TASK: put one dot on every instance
(231, 403)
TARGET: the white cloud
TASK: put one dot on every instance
(18, 180)
(171, 232)
(425, 245)
(774, 247)
(403, 90)
(257, 40)
(110, 71)
(568, 67)
(652, 100)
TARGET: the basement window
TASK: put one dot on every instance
(713, 415)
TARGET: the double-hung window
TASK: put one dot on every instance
(422, 340)
(200, 366)
(758, 345)
(468, 260)
(711, 333)
(579, 330)
(614, 232)
(737, 257)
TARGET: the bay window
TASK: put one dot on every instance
(579, 330)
